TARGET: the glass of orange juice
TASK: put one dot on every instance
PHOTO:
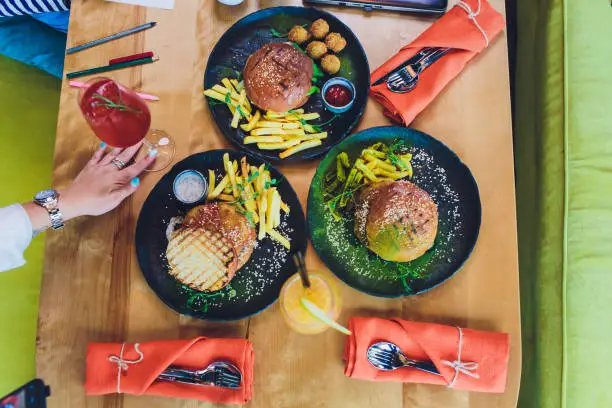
(322, 292)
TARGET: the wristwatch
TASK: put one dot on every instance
(48, 199)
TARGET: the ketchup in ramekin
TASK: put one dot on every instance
(338, 94)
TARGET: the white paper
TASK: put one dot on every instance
(163, 4)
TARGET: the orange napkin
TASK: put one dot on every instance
(484, 355)
(141, 369)
(455, 30)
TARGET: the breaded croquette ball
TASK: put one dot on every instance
(330, 64)
(298, 34)
(319, 29)
(335, 42)
(316, 49)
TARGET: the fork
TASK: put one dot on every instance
(217, 374)
(407, 78)
(387, 356)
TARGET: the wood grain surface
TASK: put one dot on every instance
(93, 289)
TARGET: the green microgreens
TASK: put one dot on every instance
(113, 105)
(200, 301)
(313, 90)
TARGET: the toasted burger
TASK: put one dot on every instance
(277, 77)
(214, 242)
(396, 220)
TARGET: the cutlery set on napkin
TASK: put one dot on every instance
(221, 370)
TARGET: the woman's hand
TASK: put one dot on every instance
(101, 185)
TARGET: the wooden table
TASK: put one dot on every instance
(93, 289)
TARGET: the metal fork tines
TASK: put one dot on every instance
(407, 78)
(217, 374)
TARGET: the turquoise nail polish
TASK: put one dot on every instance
(153, 153)
(135, 182)
(103, 145)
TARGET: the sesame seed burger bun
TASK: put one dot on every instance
(396, 220)
(277, 77)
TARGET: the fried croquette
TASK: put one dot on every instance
(298, 35)
(316, 49)
(319, 29)
(330, 64)
(335, 42)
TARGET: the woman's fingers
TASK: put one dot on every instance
(110, 156)
(99, 154)
(135, 169)
(127, 154)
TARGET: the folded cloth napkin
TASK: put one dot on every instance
(469, 28)
(467, 359)
(133, 368)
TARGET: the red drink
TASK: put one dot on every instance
(116, 114)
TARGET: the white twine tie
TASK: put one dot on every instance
(460, 366)
(123, 365)
(472, 16)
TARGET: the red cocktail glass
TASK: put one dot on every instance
(119, 117)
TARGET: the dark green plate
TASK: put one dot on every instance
(256, 285)
(438, 171)
(250, 34)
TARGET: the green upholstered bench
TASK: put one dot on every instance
(563, 150)
(29, 100)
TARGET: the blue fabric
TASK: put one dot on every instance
(10, 8)
(33, 43)
(58, 20)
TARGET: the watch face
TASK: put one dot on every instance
(44, 195)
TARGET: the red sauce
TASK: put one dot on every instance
(117, 127)
(338, 95)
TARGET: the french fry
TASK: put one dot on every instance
(269, 208)
(211, 183)
(234, 83)
(277, 115)
(239, 110)
(345, 160)
(262, 216)
(252, 123)
(228, 188)
(219, 188)
(262, 139)
(302, 146)
(278, 125)
(229, 168)
(340, 173)
(226, 197)
(375, 153)
(285, 207)
(277, 209)
(279, 238)
(308, 116)
(224, 91)
(365, 170)
(276, 131)
(280, 146)
(309, 128)
(227, 83)
(384, 166)
(211, 93)
(394, 175)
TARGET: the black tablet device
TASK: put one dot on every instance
(414, 6)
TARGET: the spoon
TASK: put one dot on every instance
(387, 357)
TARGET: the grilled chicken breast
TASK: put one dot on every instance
(214, 242)
(396, 219)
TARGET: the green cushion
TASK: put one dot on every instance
(29, 104)
(539, 182)
(588, 267)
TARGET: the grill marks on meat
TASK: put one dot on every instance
(278, 77)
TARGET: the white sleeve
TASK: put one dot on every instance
(15, 236)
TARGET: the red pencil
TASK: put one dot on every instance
(130, 58)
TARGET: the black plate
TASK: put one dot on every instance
(251, 33)
(438, 171)
(256, 285)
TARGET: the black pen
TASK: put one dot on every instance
(111, 37)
